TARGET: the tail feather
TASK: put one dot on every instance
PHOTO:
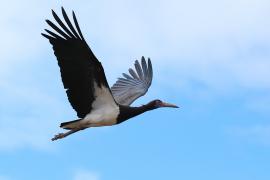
(65, 125)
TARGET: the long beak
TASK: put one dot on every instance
(168, 105)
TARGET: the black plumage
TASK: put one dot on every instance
(86, 86)
(78, 65)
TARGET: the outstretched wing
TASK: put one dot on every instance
(130, 87)
(82, 74)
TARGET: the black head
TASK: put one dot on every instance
(158, 104)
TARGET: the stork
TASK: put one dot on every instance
(86, 85)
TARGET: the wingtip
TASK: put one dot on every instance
(74, 17)
(53, 11)
(54, 14)
(47, 21)
(149, 62)
(143, 60)
(63, 10)
(73, 14)
(77, 26)
(46, 36)
(136, 62)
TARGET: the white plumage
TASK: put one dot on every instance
(86, 85)
(104, 111)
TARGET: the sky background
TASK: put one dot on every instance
(212, 58)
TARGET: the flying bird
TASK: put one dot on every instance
(86, 85)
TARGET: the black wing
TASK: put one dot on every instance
(79, 67)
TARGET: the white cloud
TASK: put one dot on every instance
(86, 175)
(221, 44)
(28, 117)
(4, 178)
(24, 133)
(206, 40)
(20, 38)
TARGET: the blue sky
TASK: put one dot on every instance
(212, 58)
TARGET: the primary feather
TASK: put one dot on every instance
(129, 88)
(86, 85)
(80, 69)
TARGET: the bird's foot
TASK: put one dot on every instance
(58, 136)
(62, 135)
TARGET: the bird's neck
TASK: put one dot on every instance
(127, 112)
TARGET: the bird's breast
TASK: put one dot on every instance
(105, 116)
(104, 109)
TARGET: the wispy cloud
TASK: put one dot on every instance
(222, 45)
(21, 38)
(230, 40)
(4, 178)
(20, 133)
(86, 175)
(28, 118)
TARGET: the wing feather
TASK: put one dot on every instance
(69, 23)
(53, 34)
(138, 69)
(133, 74)
(82, 74)
(77, 25)
(130, 87)
(62, 24)
(57, 29)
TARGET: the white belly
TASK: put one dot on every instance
(106, 116)
(104, 110)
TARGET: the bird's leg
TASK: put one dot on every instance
(62, 135)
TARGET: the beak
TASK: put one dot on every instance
(163, 104)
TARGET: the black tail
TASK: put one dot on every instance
(69, 122)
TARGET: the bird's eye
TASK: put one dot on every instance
(158, 103)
